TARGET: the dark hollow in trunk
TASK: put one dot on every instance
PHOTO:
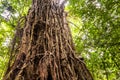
(46, 51)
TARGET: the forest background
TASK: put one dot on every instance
(95, 26)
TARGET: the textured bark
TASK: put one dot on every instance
(46, 50)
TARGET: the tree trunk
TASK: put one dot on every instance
(46, 50)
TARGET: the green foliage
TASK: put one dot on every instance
(5, 37)
(100, 36)
(10, 13)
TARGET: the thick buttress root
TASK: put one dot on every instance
(46, 50)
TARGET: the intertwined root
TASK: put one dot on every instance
(46, 51)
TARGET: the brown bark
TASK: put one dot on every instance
(46, 50)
